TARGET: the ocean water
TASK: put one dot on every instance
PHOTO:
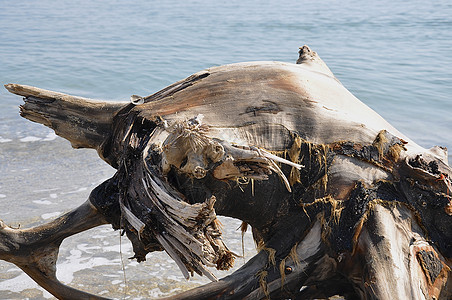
(393, 55)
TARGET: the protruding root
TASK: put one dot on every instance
(251, 162)
(247, 282)
(35, 250)
(191, 236)
(86, 123)
(189, 149)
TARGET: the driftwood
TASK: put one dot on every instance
(339, 202)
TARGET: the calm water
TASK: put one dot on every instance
(393, 55)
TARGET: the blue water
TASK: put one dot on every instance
(393, 55)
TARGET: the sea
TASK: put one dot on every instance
(396, 56)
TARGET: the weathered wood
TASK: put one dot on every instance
(391, 242)
(35, 250)
(339, 201)
(86, 123)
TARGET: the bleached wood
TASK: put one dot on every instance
(86, 123)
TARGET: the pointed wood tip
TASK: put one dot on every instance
(10, 87)
(310, 58)
(24, 90)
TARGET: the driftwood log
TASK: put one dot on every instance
(339, 201)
